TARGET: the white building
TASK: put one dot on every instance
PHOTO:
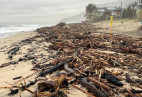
(139, 5)
(115, 11)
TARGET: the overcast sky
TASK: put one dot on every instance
(42, 10)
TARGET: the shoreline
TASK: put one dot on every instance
(16, 37)
(5, 35)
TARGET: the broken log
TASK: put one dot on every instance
(92, 88)
(98, 83)
(43, 73)
(53, 82)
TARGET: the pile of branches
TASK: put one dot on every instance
(82, 42)
(80, 51)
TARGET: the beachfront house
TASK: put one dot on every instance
(115, 11)
(139, 4)
(98, 14)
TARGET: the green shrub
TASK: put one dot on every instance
(140, 15)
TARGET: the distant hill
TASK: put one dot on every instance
(80, 17)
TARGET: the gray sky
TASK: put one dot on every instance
(42, 10)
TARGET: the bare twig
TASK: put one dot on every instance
(99, 83)
(29, 90)
(78, 59)
(83, 91)
(27, 77)
(6, 87)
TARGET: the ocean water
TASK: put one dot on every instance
(7, 30)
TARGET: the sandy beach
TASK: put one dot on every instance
(74, 48)
(128, 28)
(21, 69)
(38, 51)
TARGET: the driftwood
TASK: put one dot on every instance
(12, 52)
(98, 83)
(92, 88)
(4, 65)
(69, 70)
(26, 77)
(53, 82)
(128, 79)
(58, 94)
(112, 79)
(139, 81)
(8, 64)
(55, 67)
(136, 91)
(83, 90)
(17, 77)
(91, 61)
(54, 94)
(15, 91)
(132, 90)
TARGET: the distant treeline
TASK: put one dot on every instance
(94, 15)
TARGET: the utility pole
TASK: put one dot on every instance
(133, 10)
(121, 9)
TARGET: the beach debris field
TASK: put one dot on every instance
(80, 57)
